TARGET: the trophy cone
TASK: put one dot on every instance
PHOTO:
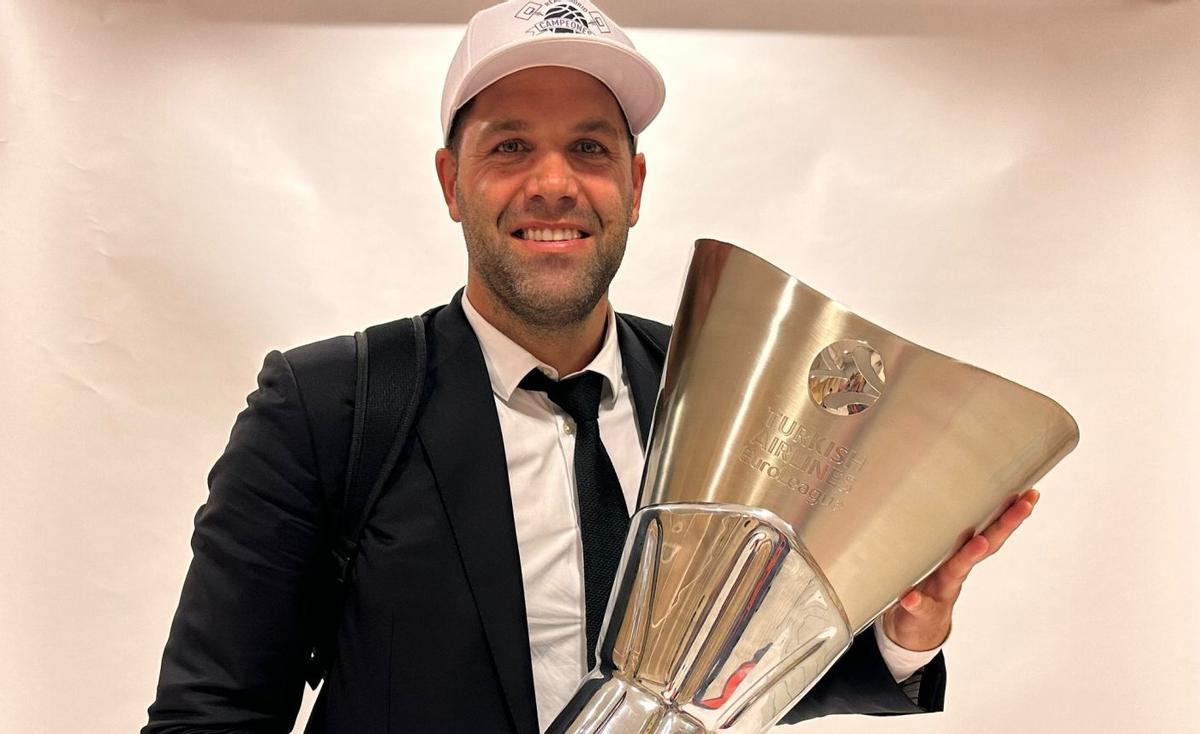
(805, 468)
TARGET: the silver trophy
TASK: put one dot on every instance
(805, 469)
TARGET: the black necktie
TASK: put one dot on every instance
(603, 520)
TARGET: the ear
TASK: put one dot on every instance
(639, 177)
(447, 173)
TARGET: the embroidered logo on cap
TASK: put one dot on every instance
(565, 16)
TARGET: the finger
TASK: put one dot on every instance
(945, 583)
(911, 601)
(972, 552)
(919, 605)
(1004, 526)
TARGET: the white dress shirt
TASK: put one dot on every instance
(539, 446)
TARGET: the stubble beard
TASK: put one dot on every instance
(520, 292)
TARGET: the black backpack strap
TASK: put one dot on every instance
(391, 378)
(391, 361)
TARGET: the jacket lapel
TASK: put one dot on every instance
(460, 433)
(644, 370)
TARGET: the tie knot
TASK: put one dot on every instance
(579, 396)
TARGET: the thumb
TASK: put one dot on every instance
(913, 602)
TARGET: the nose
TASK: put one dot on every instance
(552, 180)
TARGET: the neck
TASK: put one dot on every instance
(567, 348)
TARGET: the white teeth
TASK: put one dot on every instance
(552, 235)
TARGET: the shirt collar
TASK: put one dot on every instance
(508, 362)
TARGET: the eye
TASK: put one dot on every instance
(510, 147)
(591, 147)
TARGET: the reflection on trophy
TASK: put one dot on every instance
(805, 469)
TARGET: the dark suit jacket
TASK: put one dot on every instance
(433, 635)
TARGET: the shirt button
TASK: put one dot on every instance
(568, 427)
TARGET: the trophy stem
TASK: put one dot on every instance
(720, 621)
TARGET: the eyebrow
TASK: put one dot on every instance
(597, 125)
(506, 126)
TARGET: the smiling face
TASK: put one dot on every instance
(546, 188)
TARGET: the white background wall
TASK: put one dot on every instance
(186, 185)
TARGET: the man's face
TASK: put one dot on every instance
(546, 188)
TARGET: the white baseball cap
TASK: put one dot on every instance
(517, 35)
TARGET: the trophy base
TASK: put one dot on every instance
(719, 622)
(615, 706)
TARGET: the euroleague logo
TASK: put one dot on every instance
(846, 378)
(565, 16)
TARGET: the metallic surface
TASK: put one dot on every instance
(723, 624)
(878, 498)
(869, 458)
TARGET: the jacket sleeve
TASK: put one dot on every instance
(234, 660)
(860, 683)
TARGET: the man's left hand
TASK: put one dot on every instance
(921, 621)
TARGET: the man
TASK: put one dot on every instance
(473, 602)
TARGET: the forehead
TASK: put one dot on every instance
(546, 95)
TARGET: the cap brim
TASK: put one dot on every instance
(633, 80)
